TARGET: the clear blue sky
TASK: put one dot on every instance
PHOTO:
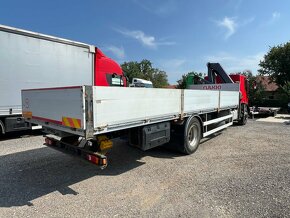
(176, 35)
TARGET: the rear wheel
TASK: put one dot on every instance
(192, 136)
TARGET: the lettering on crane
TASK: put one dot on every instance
(212, 87)
(217, 87)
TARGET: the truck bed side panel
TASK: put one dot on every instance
(203, 100)
(229, 98)
(114, 105)
(55, 107)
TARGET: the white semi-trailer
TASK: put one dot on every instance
(34, 60)
(85, 118)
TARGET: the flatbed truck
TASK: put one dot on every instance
(86, 118)
(90, 103)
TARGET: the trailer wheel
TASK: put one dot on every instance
(192, 135)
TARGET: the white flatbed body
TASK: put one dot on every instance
(90, 110)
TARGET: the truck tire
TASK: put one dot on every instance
(2, 128)
(192, 135)
(244, 117)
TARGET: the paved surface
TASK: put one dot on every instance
(242, 172)
(280, 118)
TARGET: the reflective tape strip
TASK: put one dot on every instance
(27, 114)
(76, 123)
(65, 121)
(71, 122)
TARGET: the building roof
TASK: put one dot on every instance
(171, 87)
(268, 85)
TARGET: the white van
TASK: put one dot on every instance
(136, 82)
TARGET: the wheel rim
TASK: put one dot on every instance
(192, 135)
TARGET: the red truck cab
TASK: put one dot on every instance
(242, 80)
(107, 72)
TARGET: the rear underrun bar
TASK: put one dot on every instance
(95, 158)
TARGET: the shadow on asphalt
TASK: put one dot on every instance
(28, 175)
(20, 134)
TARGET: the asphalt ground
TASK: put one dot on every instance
(242, 172)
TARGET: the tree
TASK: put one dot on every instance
(276, 65)
(159, 79)
(131, 70)
(181, 84)
(145, 70)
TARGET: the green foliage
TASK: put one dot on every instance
(159, 79)
(145, 70)
(276, 64)
(247, 73)
(182, 83)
